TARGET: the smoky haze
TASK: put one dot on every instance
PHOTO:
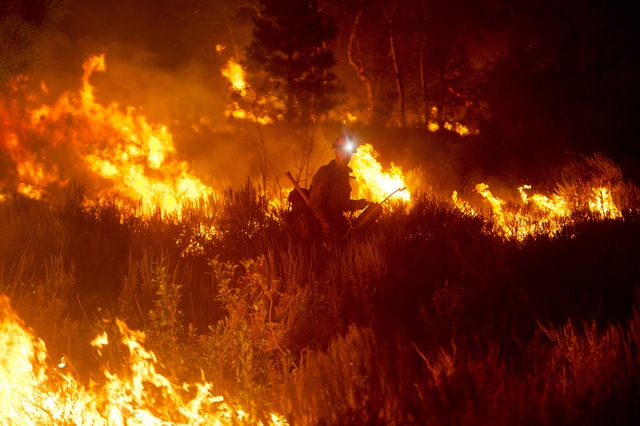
(161, 59)
(506, 73)
(161, 65)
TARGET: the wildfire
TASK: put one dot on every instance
(373, 183)
(433, 125)
(460, 129)
(539, 213)
(122, 150)
(235, 74)
(249, 104)
(31, 392)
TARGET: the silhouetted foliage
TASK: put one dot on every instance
(289, 45)
(22, 25)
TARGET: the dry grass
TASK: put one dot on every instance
(425, 319)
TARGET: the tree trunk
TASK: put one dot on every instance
(398, 75)
(396, 66)
(423, 71)
(290, 112)
(358, 65)
(236, 52)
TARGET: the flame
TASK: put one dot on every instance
(373, 183)
(433, 126)
(460, 129)
(122, 150)
(349, 118)
(32, 176)
(539, 213)
(33, 393)
(602, 204)
(235, 74)
(253, 101)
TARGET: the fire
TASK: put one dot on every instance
(235, 74)
(539, 213)
(122, 150)
(433, 126)
(250, 104)
(349, 118)
(602, 204)
(373, 183)
(460, 129)
(31, 392)
(32, 176)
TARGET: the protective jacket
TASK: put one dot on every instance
(330, 196)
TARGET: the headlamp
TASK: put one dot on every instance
(344, 143)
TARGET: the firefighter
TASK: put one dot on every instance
(330, 191)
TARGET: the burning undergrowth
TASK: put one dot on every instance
(108, 148)
(298, 331)
(480, 309)
(35, 391)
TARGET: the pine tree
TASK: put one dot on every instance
(22, 25)
(289, 45)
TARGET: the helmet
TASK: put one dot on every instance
(344, 142)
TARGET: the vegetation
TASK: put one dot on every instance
(428, 318)
(289, 46)
(22, 25)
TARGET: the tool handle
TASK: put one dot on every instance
(325, 243)
(302, 194)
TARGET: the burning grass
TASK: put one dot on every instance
(431, 317)
(490, 308)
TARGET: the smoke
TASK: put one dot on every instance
(171, 75)
(150, 67)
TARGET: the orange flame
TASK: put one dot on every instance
(235, 74)
(123, 151)
(539, 213)
(32, 393)
(373, 183)
(252, 101)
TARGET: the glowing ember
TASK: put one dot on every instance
(458, 128)
(123, 151)
(373, 183)
(349, 118)
(33, 393)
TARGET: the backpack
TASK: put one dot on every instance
(300, 220)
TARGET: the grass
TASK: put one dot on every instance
(428, 318)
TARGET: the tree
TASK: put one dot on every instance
(413, 59)
(22, 25)
(289, 46)
(388, 12)
(354, 54)
(568, 81)
(227, 25)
